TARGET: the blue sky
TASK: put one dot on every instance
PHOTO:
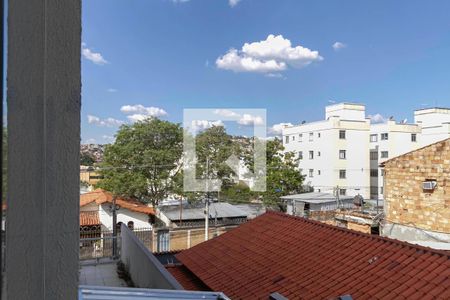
(157, 57)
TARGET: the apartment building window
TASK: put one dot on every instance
(373, 173)
(373, 138)
(311, 154)
(318, 153)
(413, 137)
(311, 172)
(287, 139)
(384, 154)
(342, 134)
(293, 138)
(311, 136)
(300, 137)
(318, 134)
(342, 154)
(342, 174)
(342, 192)
(300, 155)
(384, 136)
(373, 155)
(318, 172)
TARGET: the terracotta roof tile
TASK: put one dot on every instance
(89, 218)
(186, 278)
(101, 196)
(304, 259)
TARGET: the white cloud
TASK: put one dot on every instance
(377, 118)
(233, 3)
(95, 57)
(110, 90)
(199, 125)
(274, 75)
(226, 113)
(139, 112)
(244, 119)
(108, 122)
(235, 61)
(277, 129)
(248, 119)
(272, 55)
(338, 46)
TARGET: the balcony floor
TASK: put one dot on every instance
(100, 274)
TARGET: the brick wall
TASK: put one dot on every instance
(406, 202)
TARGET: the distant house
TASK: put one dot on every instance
(316, 205)
(182, 227)
(95, 209)
(417, 196)
(277, 256)
(193, 215)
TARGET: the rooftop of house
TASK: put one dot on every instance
(196, 212)
(89, 218)
(315, 197)
(306, 259)
(101, 196)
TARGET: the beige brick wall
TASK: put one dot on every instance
(359, 227)
(406, 202)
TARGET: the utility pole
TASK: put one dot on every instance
(207, 201)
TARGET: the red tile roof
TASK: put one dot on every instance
(89, 218)
(101, 196)
(187, 280)
(305, 259)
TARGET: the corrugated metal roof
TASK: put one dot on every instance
(115, 293)
(216, 210)
(315, 197)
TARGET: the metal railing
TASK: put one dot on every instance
(96, 243)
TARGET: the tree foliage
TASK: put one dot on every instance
(143, 160)
(86, 159)
(282, 174)
(216, 146)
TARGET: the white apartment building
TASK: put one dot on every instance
(343, 152)
(334, 152)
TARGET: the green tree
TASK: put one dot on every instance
(215, 146)
(143, 160)
(282, 174)
(237, 193)
(86, 159)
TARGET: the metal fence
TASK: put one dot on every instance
(96, 243)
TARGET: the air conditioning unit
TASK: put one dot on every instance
(428, 185)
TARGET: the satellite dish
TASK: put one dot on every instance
(358, 200)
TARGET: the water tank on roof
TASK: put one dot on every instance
(358, 200)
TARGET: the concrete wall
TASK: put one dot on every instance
(124, 215)
(406, 202)
(145, 270)
(44, 100)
